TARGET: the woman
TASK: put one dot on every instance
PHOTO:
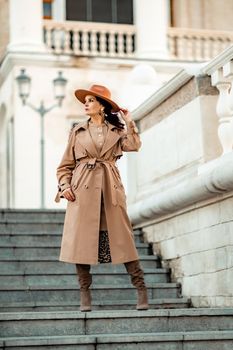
(97, 228)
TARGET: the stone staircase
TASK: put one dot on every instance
(39, 298)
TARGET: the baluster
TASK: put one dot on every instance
(103, 50)
(85, 40)
(48, 37)
(225, 132)
(93, 41)
(179, 42)
(129, 46)
(198, 43)
(120, 44)
(111, 44)
(172, 46)
(76, 39)
(207, 49)
(224, 44)
(67, 47)
(57, 44)
(62, 36)
(183, 47)
(216, 47)
(189, 48)
(228, 74)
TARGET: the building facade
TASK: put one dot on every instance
(170, 63)
(110, 42)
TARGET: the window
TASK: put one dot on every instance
(47, 9)
(124, 11)
(107, 11)
(101, 11)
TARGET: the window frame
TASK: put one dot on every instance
(48, 2)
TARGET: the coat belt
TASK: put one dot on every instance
(91, 163)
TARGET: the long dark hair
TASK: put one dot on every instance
(111, 117)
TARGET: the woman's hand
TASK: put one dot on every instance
(68, 194)
(125, 114)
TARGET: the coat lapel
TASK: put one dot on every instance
(85, 139)
(111, 138)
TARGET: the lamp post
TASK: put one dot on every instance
(24, 84)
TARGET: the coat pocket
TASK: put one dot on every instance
(77, 176)
(121, 197)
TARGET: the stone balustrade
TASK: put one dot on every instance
(197, 44)
(221, 71)
(182, 194)
(91, 39)
(118, 40)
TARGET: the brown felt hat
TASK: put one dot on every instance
(98, 91)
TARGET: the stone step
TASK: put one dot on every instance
(106, 291)
(31, 324)
(202, 340)
(51, 263)
(31, 215)
(40, 241)
(21, 279)
(31, 228)
(172, 303)
(38, 252)
(40, 228)
(43, 229)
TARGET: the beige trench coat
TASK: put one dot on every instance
(89, 174)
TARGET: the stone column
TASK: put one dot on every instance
(26, 27)
(151, 20)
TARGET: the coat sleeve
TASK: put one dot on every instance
(130, 140)
(66, 167)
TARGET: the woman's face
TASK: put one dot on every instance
(92, 106)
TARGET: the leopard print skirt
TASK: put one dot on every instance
(104, 255)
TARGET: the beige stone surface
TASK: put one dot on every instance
(176, 143)
(198, 247)
(203, 14)
(4, 24)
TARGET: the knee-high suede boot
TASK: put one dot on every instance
(137, 279)
(85, 280)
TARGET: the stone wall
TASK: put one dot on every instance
(198, 246)
(177, 137)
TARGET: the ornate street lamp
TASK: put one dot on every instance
(24, 84)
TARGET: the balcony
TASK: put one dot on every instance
(197, 44)
(118, 40)
(90, 39)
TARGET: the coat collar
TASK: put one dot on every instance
(86, 141)
(84, 125)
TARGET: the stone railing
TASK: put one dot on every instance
(221, 71)
(197, 44)
(118, 40)
(90, 39)
(182, 195)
